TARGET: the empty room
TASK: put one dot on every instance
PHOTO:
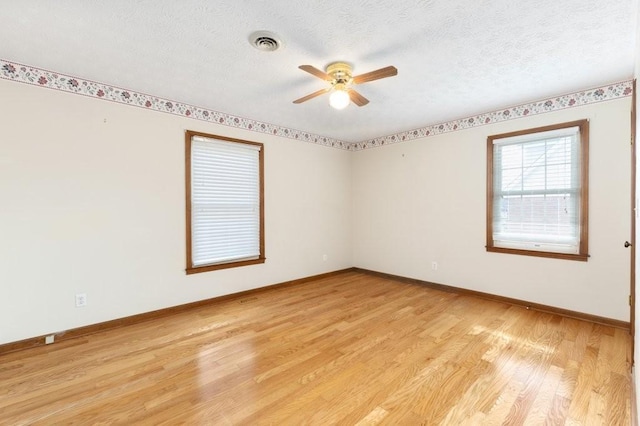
(419, 212)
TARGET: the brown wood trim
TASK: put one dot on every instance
(489, 163)
(225, 265)
(583, 254)
(575, 123)
(263, 255)
(584, 188)
(188, 135)
(187, 182)
(634, 401)
(565, 256)
(517, 302)
(160, 313)
(632, 254)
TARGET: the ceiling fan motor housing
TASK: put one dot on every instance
(341, 73)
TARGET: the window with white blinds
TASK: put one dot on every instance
(537, 191)
(224, 202)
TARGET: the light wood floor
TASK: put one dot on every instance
(351, 349)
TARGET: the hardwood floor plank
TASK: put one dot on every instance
(617, 404)
(352, 348)
(558, 412)
(501, 408)
(578, 409)
(542, 405)
(373, 418)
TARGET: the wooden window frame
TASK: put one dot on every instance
(583, 249)
(190, 269)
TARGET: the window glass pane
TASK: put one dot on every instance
(511, 156)
(559, 176)
(533, 154)
(534, 177)
(512, 179)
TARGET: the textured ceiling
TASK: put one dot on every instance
(455, 58)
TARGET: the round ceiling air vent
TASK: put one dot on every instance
(265, 41)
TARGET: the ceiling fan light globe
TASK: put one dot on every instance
(339, 99)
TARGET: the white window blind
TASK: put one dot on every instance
(225, 201)
(536, 191)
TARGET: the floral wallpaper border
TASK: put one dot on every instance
(52, 80)
(585, 97)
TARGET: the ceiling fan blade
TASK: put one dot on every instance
(389, 71)
(357, 98)
(311, 96)
(316, 72)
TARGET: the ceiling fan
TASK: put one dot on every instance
(340, 79)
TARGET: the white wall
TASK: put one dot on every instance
(424, 200)
(98, 207)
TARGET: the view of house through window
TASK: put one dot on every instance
(225, 208)
(537, 191)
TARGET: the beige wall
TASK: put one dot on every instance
(422, 201)
(93, 202)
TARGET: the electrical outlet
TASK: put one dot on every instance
(434, 266)
(49, 339)
(324, 257)
(81, 300)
